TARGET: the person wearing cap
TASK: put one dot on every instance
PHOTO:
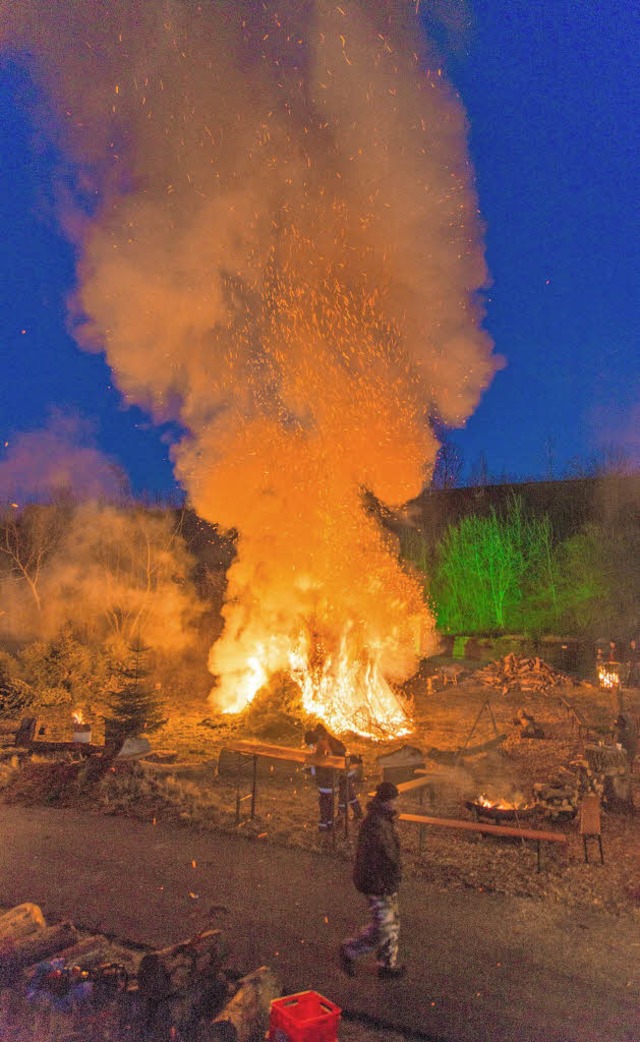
(325, 744)
(377, 872)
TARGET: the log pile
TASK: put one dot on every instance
(180, 992)
(559, 797)
(605, 771)
(521, 674)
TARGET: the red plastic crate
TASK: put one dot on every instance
(305, 1017)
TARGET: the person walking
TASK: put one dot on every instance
(325, 744)
(377, 872)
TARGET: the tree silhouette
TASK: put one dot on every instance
(135, 707)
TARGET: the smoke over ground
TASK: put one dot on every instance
(283, 254)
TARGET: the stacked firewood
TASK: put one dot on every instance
(521, 674)
(604, 770)
(170, 993)
(559, 797)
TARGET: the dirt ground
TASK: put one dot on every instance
(190, 789)
(180, 783)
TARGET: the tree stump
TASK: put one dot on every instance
(245, 1018)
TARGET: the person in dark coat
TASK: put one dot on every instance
(325, 744)
(377, 872)
(625, 734)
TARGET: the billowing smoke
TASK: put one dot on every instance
(60, 457)
(279, 248)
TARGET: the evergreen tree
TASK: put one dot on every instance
(135, 707)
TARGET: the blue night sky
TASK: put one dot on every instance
(552, 95)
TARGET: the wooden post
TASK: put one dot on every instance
(254, 786)
(346, 797)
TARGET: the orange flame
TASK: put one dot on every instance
(609, 676)
(345, 689)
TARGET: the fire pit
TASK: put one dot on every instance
(609, 675)
(500, 810)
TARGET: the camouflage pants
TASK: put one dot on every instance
(381, 934)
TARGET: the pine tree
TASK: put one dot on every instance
(135, 707)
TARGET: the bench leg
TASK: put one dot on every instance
(254, 786)
(601, 854)
(238, 801)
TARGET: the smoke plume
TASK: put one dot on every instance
(279, 248)
(60, 458)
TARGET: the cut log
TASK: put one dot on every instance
(17, 953)
(173, 970)
(90, 952)
(21, 921)
(245, 1018)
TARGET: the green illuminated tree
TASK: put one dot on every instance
(485, 568)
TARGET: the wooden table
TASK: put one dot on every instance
(338, 765)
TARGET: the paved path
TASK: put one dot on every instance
(482, 968)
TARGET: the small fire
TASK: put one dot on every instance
(518, 802)
(77, 716)
(609, 675)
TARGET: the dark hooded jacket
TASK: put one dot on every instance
(378, 867)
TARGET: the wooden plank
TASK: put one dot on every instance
(84, 748)
(415, 784)
(590, 816)
(492, 830)
(283, 752)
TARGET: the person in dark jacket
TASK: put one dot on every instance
(325, 744)
(377, 872)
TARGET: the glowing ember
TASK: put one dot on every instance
(77, 716)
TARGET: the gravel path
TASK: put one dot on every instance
(483, 968)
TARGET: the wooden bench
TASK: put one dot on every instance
(338, 764)
(537, 835)
(590, 827)
(418, 784)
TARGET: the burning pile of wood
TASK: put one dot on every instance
(174, 992)
(559, 797)
(521, 674)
